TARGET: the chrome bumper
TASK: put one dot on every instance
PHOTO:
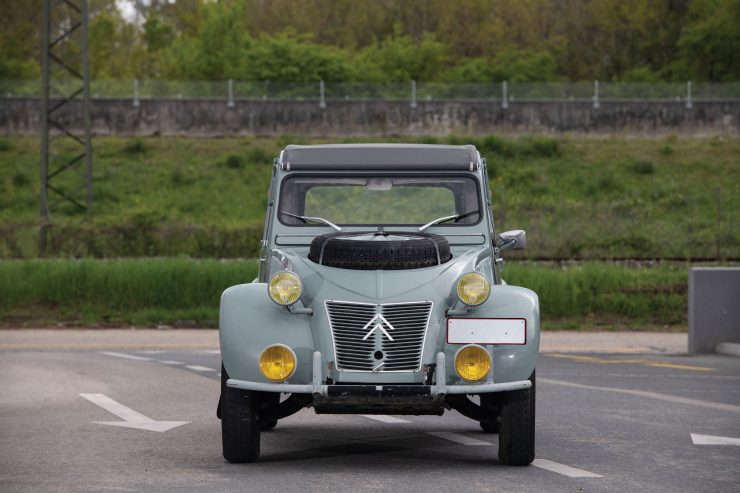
(317, 388)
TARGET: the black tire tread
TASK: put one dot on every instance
(415, 253)
(240, 430)
(516, 432)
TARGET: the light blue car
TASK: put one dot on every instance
(380, 292)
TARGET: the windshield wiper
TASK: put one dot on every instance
(306, 219)
(444, 219)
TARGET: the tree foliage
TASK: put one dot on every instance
(394, 40)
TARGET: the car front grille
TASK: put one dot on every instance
(387, 337)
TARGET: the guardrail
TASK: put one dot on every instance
(504, 93)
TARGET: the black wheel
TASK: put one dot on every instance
(516, 430)
(490, 405)
(240, 430)
(379, 250)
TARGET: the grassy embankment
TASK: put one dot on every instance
(577, 198)
(152, 291)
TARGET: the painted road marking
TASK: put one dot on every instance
(458, 438)
(198, 368)
(713, 440)
(641, 361)
(131, 419)
(125, 356)
(548, 465)
(384, 419)
(170, 362)
(211, 351)
(571, 472)
(651, 395)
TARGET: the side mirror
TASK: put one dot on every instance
(515, 239)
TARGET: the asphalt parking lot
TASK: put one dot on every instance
(144, 420)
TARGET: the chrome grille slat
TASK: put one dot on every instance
(349, 320)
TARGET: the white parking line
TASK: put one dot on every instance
(384, 419)
(571, 472)
(651, 395)
(125, 356)
(458, 438)
(170, 362)
(198, 368)
(713, 440)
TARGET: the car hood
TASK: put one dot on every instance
(321, 283)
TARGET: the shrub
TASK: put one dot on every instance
(20, 179)
(234, 162)
(642, 167)
(257, 155)
(135, 146)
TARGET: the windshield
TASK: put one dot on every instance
(373, 201)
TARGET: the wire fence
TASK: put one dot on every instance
(503, 92)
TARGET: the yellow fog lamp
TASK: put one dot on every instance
(277, 362)
(473, 288)
(284, 288)
(472, 363)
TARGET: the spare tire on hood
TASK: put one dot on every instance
(380, 250)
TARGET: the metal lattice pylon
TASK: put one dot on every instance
(65, 70)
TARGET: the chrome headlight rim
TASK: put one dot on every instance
(293, 355)
(477, 346)
(296, 277)
(476, 274)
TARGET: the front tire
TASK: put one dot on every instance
(516, 430)
(240, 429)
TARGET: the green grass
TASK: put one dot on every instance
(117, 291)
(602, 294)
(577, 198)
(152, 291)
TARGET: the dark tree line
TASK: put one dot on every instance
(395, 40)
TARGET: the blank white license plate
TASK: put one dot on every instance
(486, 331)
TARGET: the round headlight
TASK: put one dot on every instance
(472, 363)
(284, 288)
(473, 288)
(277, 363)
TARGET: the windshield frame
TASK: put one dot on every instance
(370, 174)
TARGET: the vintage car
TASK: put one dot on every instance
(380, 292)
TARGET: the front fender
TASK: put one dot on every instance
(510, 362)
(249, 322)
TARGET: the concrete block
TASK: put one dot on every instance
(714, 307)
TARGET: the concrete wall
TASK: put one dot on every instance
(377, 118)
(714, 307)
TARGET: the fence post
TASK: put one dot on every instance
(413, 93)
(596, 95)
(230, 104)
(689, 103)
(504, 95)
(136, 93)
(322, 95)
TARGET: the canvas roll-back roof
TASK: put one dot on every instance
(380, 156)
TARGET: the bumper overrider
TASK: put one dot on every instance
(322, 391)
